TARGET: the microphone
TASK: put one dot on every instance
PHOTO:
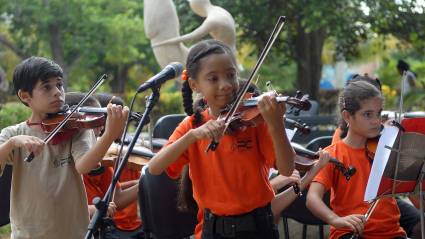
(171, 71)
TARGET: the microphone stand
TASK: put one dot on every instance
(99, 219)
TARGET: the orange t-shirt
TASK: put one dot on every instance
(233, 179)
(127, 219)
(337, 136)
(347, 196)
(97, 186)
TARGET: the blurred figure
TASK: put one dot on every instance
(409, 82)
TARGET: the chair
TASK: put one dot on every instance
(300, 213)
(163, 129)
(319, 142)
(298, 210)
(165, 125)
(5, 181)
(158, 208)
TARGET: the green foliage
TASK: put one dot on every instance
(13, 113)
(92, 37)
(169, 103)
(87, 37)
(5, 231)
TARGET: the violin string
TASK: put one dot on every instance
(63, 122)
(275, 33)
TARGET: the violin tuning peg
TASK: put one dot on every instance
(298, 94)
(305, 97)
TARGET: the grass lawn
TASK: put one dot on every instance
(5, 232)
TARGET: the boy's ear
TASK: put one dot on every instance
(24, 96)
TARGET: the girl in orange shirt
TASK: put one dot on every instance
(360, 105)
(231, 183)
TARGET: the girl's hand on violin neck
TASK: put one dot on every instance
(355, 222)
(117, 117)
(271, 110)
(212, 129)
(294, 178)
(324, 158)
(29, 143)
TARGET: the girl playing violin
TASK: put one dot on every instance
(409, 215)
(360, 105)
(231, 183)
(47, 197)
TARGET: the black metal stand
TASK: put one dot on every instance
(99, 219)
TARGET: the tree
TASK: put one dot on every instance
(309, 25)
(85, 37)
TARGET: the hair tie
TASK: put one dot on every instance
(184, 75)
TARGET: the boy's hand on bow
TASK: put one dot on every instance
(29, 143)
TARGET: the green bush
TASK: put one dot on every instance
(169, 103)
(13, 113)
(5, 231)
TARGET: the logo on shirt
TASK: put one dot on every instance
(242, 144)
(62, 162)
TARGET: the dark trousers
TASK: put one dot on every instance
(348, 236)
(409, 216)
(255, 224)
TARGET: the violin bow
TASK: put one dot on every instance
(275, 33)
(63, 122)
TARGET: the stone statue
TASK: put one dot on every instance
(161, 23)
(4, 84)
(218, 23)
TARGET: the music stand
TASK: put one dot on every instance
(399, 164)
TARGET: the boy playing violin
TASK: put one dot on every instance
(48, 198)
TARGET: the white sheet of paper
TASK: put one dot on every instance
(382, 154)
(290, 134)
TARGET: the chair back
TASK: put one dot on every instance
(5, 182)
(300, 213)
(158, 208)
(165, 125)
(319, 142)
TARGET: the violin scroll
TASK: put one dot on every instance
(297, 103)
(306, 159)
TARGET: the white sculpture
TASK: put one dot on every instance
(161, 23)
(218, 23)
(4, 84)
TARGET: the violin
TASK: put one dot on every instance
(82, 118)
(248, 114)
(303, 128)
(306, 159)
